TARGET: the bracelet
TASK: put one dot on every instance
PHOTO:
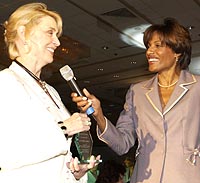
(64, 128)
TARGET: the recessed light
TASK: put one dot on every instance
(100, 69)
(105, 47)
(190, 27)
(133, 62)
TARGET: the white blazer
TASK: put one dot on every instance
(33, 148)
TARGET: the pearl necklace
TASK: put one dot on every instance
(164, 86)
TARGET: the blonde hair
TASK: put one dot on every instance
(27, 15)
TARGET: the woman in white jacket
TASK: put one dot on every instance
(34, 122)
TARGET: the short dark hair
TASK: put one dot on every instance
(110, 172)
(173, 35)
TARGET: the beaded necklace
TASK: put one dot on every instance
(41, 83)
(167, 86)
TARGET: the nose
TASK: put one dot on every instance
(56, 41)
(150, 50)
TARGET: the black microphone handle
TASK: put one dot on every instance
(74, 87)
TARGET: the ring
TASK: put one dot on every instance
(72, 171)
(88, 123)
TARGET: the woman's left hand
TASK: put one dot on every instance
(78, 169)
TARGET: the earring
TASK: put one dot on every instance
(26, 47)
(176, 57)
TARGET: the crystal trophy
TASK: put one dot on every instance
(84, 144)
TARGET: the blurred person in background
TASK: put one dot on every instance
(111, 171)
(129, 165)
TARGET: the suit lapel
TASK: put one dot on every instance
(152, 94)
(185, 82)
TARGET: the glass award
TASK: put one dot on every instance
(84, 143)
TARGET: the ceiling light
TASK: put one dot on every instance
(105, 47)
(134, 35)
(133, 62)
(65, 50)
(100, 69)
(190, 27)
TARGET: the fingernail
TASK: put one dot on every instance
(84, 98)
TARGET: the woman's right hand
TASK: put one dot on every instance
(78, 122)
(83, 103)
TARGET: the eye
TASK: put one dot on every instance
(50, 32)
(158, 45)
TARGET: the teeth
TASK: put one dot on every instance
(51, 50)
(153, 60)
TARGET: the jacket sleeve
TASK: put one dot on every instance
(121, 137)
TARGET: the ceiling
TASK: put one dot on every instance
(90, 26)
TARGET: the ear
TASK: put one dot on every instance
(177, 55)
(21, 33)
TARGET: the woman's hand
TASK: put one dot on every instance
(79, 170)
(83, 103)
(78, 122)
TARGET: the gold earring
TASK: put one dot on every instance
(176, 57)
(26, 47)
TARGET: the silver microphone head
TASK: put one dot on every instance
(67, 72)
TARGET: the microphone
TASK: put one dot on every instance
(68, 75)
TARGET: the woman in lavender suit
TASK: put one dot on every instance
(163, 113)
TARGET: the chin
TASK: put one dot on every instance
(152, 70)
(50, 60)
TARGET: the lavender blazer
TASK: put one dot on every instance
(169, 139)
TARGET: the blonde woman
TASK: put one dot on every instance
(33, 120)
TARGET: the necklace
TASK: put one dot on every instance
(164, 86)
(41, 83)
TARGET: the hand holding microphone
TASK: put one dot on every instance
(68, 75)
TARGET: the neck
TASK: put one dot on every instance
(167, 86)
(28, 71)
(168, 79)
(38, 80)
(30, 65)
